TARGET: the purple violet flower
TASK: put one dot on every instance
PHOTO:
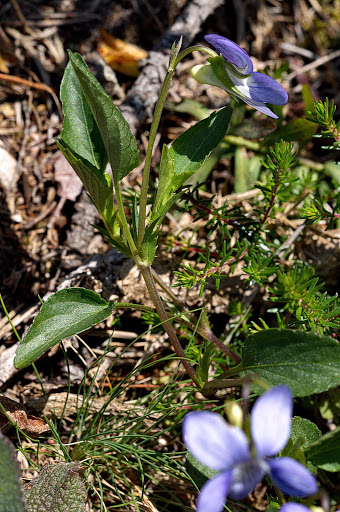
(232, 71)
(294, 507)
(241, 467)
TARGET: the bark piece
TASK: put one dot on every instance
(7, 369)
(143, 95)
(55, 403)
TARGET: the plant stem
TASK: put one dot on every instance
(150, 284)
(271, 202)
(124, 224)
(139, 307)
(148, 156)
(196, 48)
(153, 132)
(203, 331)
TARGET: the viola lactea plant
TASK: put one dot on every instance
(95, 133)
(297, 359)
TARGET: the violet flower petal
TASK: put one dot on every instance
(213, 494)
(246, 476)
(270, 420)
(261, 107)
(205, 74)
(213, 442)
(292, 477)
(266, 89)
(231, 52)
(294, 507)
(259, 87)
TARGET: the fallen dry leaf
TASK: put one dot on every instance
(3, 65)
(30, 425)
(121, 56)
(70, 185)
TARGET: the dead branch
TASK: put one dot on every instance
(142, 97)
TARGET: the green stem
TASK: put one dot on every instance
(139, 307)
(124, 224)
(150, 284)
(153, 133)
(202, 330)
(148, 156)
(196, 48)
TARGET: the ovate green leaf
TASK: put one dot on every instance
(65, 313)
(306, 362)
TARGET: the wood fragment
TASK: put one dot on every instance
(7, 369)
(69, 403)
(321, 61)
(143, 95)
